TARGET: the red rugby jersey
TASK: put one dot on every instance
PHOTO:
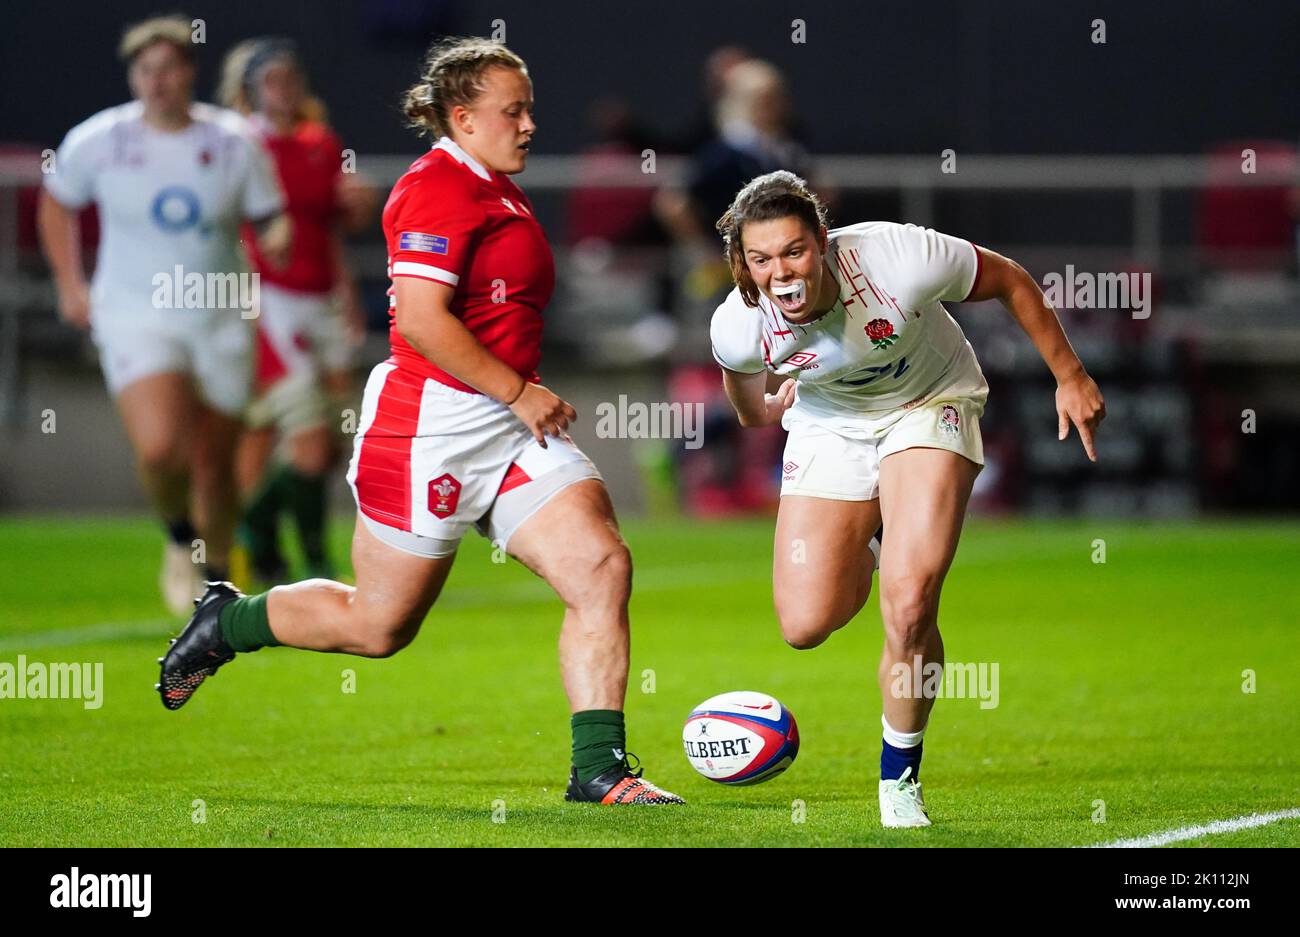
(308, 162)
(452, 221)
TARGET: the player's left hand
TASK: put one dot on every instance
(1078, 401)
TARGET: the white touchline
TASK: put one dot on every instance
(88, 634)
(1193, 832)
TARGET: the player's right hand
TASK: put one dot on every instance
(275, 240)
(74, 304)
(542, 412)
(357, 200)
(776, 404)
(353, 313)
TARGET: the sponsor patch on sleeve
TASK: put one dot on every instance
(427, 243)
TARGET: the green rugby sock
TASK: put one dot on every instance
(305, 497)
(258, 526)
(244, 624)
(599, 742)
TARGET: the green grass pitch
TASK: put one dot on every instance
(1120, 682)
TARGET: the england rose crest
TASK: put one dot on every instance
(881, 333)
(950, 419)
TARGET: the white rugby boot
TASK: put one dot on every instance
(901, 804)
(179, 580)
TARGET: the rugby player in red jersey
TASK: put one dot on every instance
(457, 430)
(310, 316)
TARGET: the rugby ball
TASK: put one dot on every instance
(740, 738)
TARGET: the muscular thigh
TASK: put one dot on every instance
(570, 535)
(820, 551)
(393, 586)
(923, 497)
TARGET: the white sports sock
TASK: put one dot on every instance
(902, 739)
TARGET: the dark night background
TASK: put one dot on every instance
(1009, 77)
(1013, 78)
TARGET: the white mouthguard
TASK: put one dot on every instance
(794, 288)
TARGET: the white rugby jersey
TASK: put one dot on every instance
(888, 338)
(164, 198)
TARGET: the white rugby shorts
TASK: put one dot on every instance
(429, 461)
(840, 460)
(214, 347)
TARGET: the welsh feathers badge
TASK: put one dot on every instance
(444, 492)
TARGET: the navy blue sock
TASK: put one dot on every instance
(894, 761)
(181, 531)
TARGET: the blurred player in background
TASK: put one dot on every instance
(457, 430)
(882, 401)
(310, 318)
(173, 181)
(753, 120)
(753, 117)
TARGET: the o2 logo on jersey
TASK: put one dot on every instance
(175, 209)
(899, 368)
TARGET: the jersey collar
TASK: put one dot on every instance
(458, 153)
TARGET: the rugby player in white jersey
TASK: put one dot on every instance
(882, 398)
(173, 180)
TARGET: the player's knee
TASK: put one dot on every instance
(806, 626)
(381, 644)
(313, 464)
(603, 577)
(385, 635)
(805, 639)
(614, 560)
(210, 467)
(158, 457)
(908, 605)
